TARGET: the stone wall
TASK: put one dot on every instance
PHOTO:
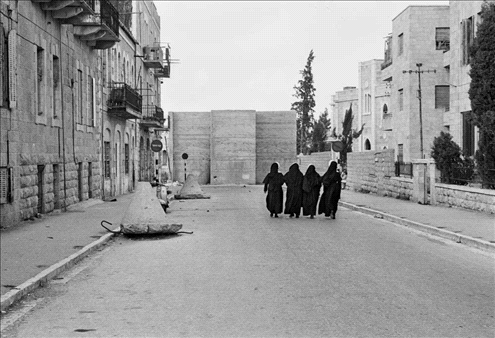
(465, 197)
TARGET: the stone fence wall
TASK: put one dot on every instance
(374, 172)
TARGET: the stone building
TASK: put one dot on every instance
(231, 146)
(70, 81)
(418, 38)
(464, 18)
(373, 112)
(341, 102)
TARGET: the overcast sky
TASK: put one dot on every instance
(248, 55)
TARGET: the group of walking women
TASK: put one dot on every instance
(303, 191)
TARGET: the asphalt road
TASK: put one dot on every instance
(244, 274)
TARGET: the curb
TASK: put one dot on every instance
(452, 236)
(46, 275)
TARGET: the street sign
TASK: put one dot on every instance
(337, 146)
(156, 145)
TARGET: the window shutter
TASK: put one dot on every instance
(442, 97)
(2, 62)
(4, 185)
(442, 34)
(12, 68)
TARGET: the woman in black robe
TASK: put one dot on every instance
(294, 181)
(273, 184)
(311, 191)
(331, 191)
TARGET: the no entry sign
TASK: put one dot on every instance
(156, 145)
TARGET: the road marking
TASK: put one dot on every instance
(9, 319)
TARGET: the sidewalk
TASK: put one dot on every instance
(472, 228)
(36, 251)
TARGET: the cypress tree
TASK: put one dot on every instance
(482, 93)
(305, 92)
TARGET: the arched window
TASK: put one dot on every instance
(367, 145)
(385, 109)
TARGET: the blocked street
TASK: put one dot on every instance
(243, 273)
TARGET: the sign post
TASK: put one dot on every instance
(184, 157)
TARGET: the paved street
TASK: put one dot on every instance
(245, 274)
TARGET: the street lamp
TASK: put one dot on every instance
(419, 71)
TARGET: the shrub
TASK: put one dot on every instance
(454, 168)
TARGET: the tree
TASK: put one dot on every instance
(347, 136)
(305, 92)
(448, 159)
(320, 131)
(482, 93)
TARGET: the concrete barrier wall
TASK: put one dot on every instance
(233, 147)
(191, 134)
(275, 141)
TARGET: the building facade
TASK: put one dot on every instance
(414, 71)
(71, 105)
(341, 102)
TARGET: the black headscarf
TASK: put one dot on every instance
(273, 172)
(294, 177)
(312, 177)
(331, 173)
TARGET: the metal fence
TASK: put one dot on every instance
(468, 176)
(403, 169)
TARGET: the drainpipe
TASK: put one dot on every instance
(63, 119)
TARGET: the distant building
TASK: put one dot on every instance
(373, 112)
(231, 146)
(341, 102)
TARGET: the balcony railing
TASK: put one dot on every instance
(124, 101)
(152, 117)
(109, 16)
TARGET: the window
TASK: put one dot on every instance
(401, 99)
(126, 153)
(467, 133)
(442, 38)
(91, 102)
(367, 103)
(5, 176)
(4, 70)
(80, 97)
(442, 97)
(385, 109)
(400, 153)
(467, 29)
(106, 156)
(401, 43)
(367, 145)
(40, 60)
(56, 84)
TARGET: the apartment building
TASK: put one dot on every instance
(73, 79)
(415, 72)
(464, 18)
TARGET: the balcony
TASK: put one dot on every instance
(388, 53)
(124, 102)
(152, 117)
(164, 70)
(96, 22)
(153, 57)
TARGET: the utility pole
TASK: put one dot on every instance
(419, 71)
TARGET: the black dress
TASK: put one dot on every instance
(273, 185)
(294, 181)
(331, 191)
(311, 191)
